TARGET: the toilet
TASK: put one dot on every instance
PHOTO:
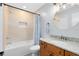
(35, 50)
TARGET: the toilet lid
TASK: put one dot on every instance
(35, 47)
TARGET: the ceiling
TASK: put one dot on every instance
(28, 6)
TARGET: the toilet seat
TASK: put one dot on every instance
(35, 47)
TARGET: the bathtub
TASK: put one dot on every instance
(18, 48)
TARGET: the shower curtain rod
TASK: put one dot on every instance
(20, 9)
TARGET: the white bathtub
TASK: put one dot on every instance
(18, 48)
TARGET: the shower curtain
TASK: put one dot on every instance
(37, 29)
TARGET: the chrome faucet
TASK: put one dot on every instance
(63, 38)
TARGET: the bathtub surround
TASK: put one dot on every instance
(17, 32)
(20, 27)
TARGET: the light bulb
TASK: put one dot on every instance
(24, 7)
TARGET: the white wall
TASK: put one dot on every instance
(46, 16)
(1, 30)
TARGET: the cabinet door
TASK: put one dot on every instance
(56, 51)
(67, 53)
(43, 45)
(43, 49)
(47, 49)
(44, 52)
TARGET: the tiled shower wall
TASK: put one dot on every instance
(20, 25)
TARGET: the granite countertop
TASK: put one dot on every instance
(71, 46)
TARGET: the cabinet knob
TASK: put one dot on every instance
(50, 54)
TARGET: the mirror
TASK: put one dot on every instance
(65, 16)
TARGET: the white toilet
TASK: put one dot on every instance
(35, 49)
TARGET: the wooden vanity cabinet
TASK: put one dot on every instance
(50, 50)
(47, 49)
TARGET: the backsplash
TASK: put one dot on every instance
(65, 38)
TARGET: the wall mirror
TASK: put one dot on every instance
(66, 16)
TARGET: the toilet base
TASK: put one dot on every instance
(35, 53)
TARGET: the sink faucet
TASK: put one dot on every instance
(63, 38)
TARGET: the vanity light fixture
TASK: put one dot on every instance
(24, 7)
(43, 14)
(64, 6)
